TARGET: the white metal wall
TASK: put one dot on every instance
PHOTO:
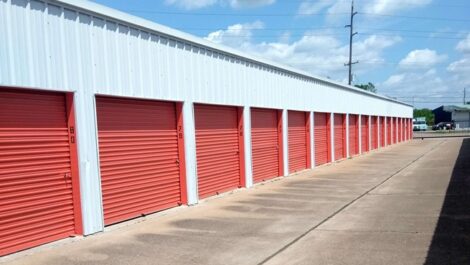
(88, 49)
(52, 47)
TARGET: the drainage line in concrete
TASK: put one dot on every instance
(345, 206)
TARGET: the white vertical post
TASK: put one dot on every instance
(312, 140)
(347, 135)
(190, 152)
(285, 139)
(332, 136)
(247, 143)
(88, 159)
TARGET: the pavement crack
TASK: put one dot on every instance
(295, 240)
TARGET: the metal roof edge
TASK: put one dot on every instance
(115, 14)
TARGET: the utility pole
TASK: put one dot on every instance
(351, 35)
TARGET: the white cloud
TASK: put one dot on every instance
(393, 6)
(460, 66)
(394, 80)
(191, 4)
(417, 87)
(421, 59)
(459, 70)
(312, 7)
(464, 45)
(196, 4)
(429, 86)
(235, 35)
(317, 52)
(309, 7)
(250, 3)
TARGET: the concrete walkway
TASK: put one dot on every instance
(406, 204)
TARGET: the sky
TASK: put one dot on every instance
(417, 51)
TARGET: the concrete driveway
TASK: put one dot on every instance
(406, 204)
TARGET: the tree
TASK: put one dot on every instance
(368, 87)
(424, 113)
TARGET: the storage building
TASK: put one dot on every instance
(105, 117)
(459, 114)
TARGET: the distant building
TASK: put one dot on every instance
(460, 114)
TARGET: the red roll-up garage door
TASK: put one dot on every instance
(265, 144)
(340, 136)
(218, 148)
(405, 129)
(322, 138)
(353, 135)
(374, 132)
(393, 126)
(39, 193)
(389, 130)
(364, 133)
(382, 131)
(410, 132)
(139, 157)
(298, 133)
(408, 135)
(400, 130)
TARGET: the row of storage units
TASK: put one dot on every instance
(113, 117)
(141, 147)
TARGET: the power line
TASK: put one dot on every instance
(339, 34)
(428, 97)
(416, 17)
(290, 15)
(328, 28)
(229, 14)
(403, 4)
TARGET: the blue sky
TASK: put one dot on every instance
(415, 50)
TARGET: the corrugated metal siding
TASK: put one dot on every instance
(264, 144)
(364, 133)
(297, 141)
(36, 196)
(72, 48)
(139, 158)
(322, 138)
(353, 135)
(217, 149)
(340, 136)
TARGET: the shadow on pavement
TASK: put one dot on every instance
(451, 240)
